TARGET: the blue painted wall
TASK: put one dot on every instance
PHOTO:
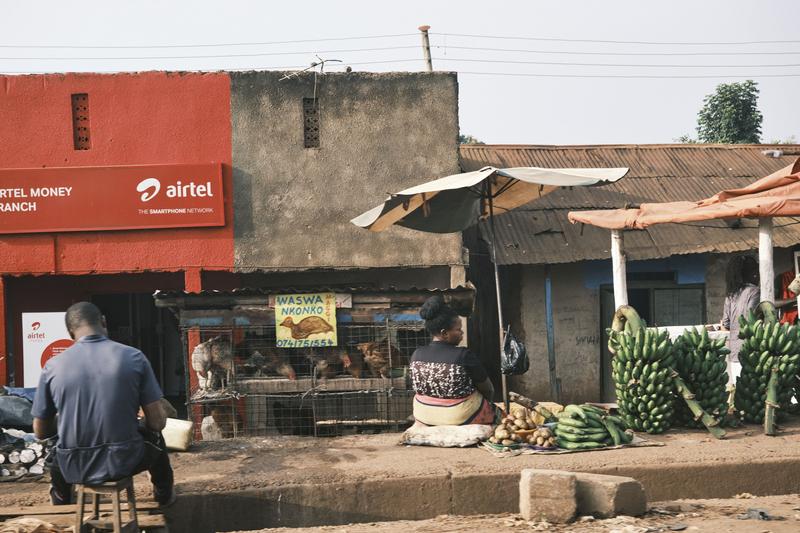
(690, 269)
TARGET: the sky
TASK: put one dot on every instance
(513, 86)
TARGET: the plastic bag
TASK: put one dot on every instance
(15, 412)
(514, 359)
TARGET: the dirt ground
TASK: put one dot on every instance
(716, 516)
(262, 462)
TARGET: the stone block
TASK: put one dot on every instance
(485, 493)
(547, 495)
(606, 496)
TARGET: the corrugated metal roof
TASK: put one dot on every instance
(539, 233)
(271, 291)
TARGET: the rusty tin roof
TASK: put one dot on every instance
(539, 233)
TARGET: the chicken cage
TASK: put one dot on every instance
(240, 383)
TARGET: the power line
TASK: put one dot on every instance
(628, 76)
(665, 43)
(565, 52)
(149, 46)
(558, 63)
(260, 54)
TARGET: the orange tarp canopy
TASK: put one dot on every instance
(777, 195)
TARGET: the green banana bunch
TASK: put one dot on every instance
(765, 344)
(702, 364)
(641, 371)
(585, 427)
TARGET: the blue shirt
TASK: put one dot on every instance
(96, 386)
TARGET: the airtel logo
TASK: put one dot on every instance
(36, 325)
(150, 187)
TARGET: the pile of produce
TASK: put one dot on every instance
(642, 372)
(702, 364)
(19, 457)
(583, 427)
(766, 345)
(520, 428)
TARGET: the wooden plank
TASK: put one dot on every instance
(67, 509)
(343, 384)
(363, 422)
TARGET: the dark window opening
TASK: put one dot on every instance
(80, 121)
(311, 122)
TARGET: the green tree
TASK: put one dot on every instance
(468, 139)
(730, 115)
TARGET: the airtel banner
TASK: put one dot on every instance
(110, 198)
(44, 335)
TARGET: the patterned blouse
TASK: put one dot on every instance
(441, 370)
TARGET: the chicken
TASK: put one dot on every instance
(213, 358)
(353, 363)
(263, 361)
(327, 363)
(230, 424)
(376, 355)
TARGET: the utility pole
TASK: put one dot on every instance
(426, 47)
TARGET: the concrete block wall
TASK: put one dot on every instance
(379, 133)
(576, 320)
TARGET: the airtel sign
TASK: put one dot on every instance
(111, 198)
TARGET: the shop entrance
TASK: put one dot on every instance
(127, 302)
(133, 319)
(660, 302)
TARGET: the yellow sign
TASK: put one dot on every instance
(305, 320)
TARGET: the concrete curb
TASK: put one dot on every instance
(469, 494)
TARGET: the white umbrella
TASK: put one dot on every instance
(454, 203)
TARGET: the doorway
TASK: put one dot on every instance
(133, 319)
(660, 303)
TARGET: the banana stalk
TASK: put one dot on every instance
(626, 314)
(711, 423)
(771, 403)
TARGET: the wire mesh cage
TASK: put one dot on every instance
(243, 384)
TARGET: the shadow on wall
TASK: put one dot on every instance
(243, 225)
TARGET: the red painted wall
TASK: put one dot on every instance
(144, 118)
(135, 119)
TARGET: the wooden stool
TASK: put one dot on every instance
(97, 492)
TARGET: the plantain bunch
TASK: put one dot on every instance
(642, 373)
(702, 364)
(767, 344)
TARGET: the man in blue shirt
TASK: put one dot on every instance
(96, 388)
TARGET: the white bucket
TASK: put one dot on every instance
(178, 434)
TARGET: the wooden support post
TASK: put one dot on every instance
(766, 270)
(555, 390)
(618, 266)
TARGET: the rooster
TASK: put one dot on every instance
(213, 358)
(376, 355)
(353, 363)
(328, 363)
(263, 361)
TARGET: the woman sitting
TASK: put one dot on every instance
(451, 385)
